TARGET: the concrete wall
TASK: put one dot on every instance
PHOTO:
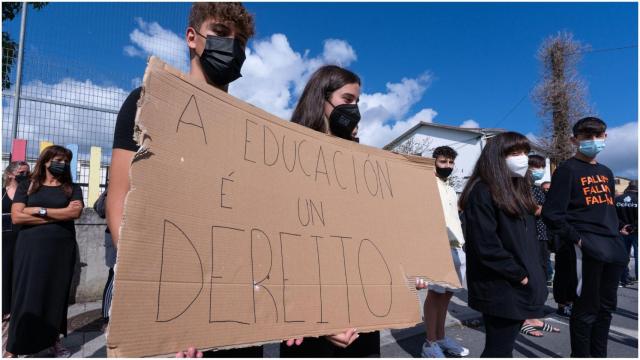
(91, 272)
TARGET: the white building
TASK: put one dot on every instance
(467, 142)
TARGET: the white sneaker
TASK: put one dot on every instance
(452, 348)
(431, 350)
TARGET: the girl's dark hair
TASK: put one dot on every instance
(537, 161)
(39, 174)
(309, 111)
(510, 194)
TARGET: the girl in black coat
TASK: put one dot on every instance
(505, 277)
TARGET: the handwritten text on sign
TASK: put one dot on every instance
(242, 228)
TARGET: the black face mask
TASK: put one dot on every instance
(58, 168)
(21, 177)
(343, 119)
(444, 172)
(222, 59)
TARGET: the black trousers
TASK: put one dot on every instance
(107, 294)
(501, 334)
(565, 281)
(367, 345)
(591, 317)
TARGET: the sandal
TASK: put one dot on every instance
(547, 328)
(529, 330)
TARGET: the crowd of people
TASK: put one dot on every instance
(502, 228)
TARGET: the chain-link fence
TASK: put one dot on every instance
(79, 63)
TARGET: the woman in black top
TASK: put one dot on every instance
(45, 251)
(15, 173)
(505, 275)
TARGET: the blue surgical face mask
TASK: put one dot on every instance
(537, 174)
(591, 148)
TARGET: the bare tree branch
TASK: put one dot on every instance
(561, 95)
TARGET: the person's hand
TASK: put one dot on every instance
(191, 352)
(296, 341)
(524, 281)
(625, 230)
(421, 283)
(344, 339)
(75, 204)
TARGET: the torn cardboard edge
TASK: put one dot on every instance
(144, 140)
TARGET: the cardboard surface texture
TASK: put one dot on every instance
(241, 228)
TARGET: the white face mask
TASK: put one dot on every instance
(518, 165)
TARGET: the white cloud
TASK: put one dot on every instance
(379, 134)
(621, 152)
(384, 113)
(338, 52)
(150, 38)
(472, 124)
(274, 75)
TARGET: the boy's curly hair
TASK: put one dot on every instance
(233, 12)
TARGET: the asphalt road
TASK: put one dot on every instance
(623, 336)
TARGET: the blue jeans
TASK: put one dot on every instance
(631, 241)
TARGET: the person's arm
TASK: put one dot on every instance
(482, 228)
(18, 214)
(71, 212)
(118, 188)
(19, 217)
(554, 211)
(124, 148)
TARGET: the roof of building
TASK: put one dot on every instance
(478, 131)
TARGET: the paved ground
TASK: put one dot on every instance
(623, 336)
(87, 340)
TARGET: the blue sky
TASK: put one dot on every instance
(451, 63)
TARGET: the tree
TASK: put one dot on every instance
(10, 47)
(412, 146)
(560, 94)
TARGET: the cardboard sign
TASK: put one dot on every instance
(241, 228)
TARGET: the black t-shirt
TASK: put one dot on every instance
(52, 197)
(123, 135)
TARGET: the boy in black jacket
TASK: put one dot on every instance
(580, 209)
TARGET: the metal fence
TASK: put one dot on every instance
(62, 97)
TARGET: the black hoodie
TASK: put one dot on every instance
(501, 251)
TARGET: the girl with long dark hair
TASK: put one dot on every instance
(329, 104)
(505, 276)
(45, 253)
